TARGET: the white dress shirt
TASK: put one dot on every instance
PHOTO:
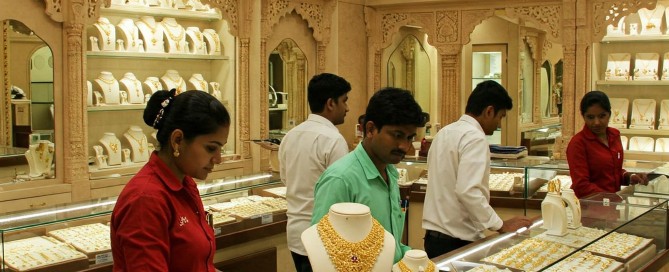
(457, 201)
(305, 152)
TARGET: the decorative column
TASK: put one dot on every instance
(6, 120)
(244, 143)
(450, 84)
(300, 96)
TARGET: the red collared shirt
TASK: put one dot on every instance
(159, 224)
(593, 166)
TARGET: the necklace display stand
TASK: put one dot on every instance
(94, 44)
(130, 34)
(216, 90)
(100, 158)
(213, 41)
(118, 2)
(413, 261)
(638, 143)
(617, 30)
(89, 96)
(665, 66)
(176, 36)
(140, 3)
(645, 66)
(153, 84)
(618, 66)
(663, 123)
(153, 3)
(179, 4)
(195, 41)
(624, 141)
(126, 156)
(133, 87)
(113, 147)
(350, 228)
(643, 114)
(138, 144)
(196, 5)
(106, 34)
(666, 19)
(619, 113)
(152, 34)
(197, 82)
(124, 97)
(108, 86)
(651, 20)
(172, 80)
(40, 158)
(662, 145)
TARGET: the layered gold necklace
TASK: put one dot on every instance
(404, 268)
(139, 141)
(351, 256)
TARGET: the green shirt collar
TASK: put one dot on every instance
(368, 166)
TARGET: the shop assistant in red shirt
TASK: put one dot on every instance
(159, 224)
(593, 166)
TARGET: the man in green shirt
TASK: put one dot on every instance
(367, 175)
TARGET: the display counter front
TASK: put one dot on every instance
(614, 236)
(76, 237)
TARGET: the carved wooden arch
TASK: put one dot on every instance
(608, 12)
(317, 15)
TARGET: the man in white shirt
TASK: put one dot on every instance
(457, 202)
(307, 150)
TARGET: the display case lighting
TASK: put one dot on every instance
(204, 187)
(35, 215)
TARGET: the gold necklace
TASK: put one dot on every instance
(139, 141)
(176, 38)
(638, 110)
(106, 29)
(138, 88)
(404, 268)
(351, 256)
(108, 83)
(178, 83)
(153, 30)
(114, 147)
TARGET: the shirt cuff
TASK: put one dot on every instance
(497, 225)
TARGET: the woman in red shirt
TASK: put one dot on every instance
(159, 223)
(595, 154)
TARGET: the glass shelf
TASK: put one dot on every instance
(162, 12)
(145, 55)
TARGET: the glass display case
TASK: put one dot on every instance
(615, 236)
(75, 237)
(540, 141)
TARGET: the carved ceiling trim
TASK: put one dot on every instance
(230, 12)
(549, 18)
(317, 15)
(544, 51)
(472, 18)
(611, 12)
(54, 8)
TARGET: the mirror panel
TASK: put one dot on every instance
(545, 90)
(287, 92)
(557, 89)
(409, 68)
(30, 152)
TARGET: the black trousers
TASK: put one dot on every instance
(302, 263)
(437, 243)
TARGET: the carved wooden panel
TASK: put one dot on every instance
(230, 12)
(548, 17)
(318, 15)
(244, 99)
(610, 13)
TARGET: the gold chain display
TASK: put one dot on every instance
(404, 268)
(140, 141)
(351, 256)
(178, 84)
(109, 82)
(153, 30)
(638, 110)
(106, 29)
(175, 37)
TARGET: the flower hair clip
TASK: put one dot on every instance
(161, 112)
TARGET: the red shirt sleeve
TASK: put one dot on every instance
(143, 234)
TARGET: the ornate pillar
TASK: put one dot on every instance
(6, 120)
(244, 143)
(320, 55)
(299, 97)
(450, 84)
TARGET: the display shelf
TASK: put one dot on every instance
(638, 38)
(117, 107)
(633, 82)
(158, 56)
(164, 12)
(278, 109)
(648, 132)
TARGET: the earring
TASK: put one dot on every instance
(176, 153)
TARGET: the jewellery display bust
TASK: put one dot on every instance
(646, 66)
(663, 123)
(153, 84)
(665, 65)
(350, 228)
(618, 66)
(138, 144)
(176, 35)
(89, 97)
(152, 34)
(40, 158)
(643, 114)
(216, 90)
(213, 41)
(638, 143)
(130, 34)
(624, 141)
(108, 86)
(196, 41)
(172, 80)
(112, 146)
(197, 82)
(616, 30)
(133, 87)
(619, 112)
(106, 34)
(413, 261)
(651, 20)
